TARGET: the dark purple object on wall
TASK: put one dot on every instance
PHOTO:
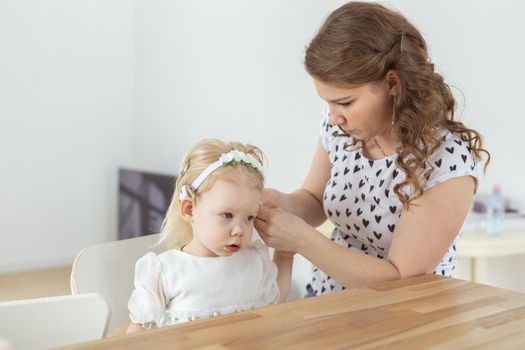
(143, 200)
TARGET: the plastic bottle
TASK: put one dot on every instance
(495, 213)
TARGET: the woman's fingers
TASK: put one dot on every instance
(269, 197)
(264, 213)
(260, 225)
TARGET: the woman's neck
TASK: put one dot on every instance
(380, 146)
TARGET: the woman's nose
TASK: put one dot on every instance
(335, 119)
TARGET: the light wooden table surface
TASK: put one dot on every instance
(421, 312)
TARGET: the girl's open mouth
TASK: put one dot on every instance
(232, 248)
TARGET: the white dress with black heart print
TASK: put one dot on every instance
(360, 201)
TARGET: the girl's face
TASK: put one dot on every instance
(223, 219)
(363, 112)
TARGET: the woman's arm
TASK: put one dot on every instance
(421, 237)
(284, 262)
(307, 201)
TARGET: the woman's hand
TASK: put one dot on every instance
(280, 230)
(272, 198)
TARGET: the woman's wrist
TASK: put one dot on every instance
(285, 254)
(308, 241)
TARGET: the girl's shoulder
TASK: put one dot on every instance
(149, 258)
(158, 261)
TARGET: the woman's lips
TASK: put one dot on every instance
(232, 248)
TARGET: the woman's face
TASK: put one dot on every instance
(362, 111)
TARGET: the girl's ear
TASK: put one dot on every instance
(186, 209)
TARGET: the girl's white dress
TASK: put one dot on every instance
(175, 287)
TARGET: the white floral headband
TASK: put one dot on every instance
(230, 158)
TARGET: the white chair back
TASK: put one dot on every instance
(44, 323)
(108, 269)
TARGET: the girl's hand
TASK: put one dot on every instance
(280, 230)
(134, 327)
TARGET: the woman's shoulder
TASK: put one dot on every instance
(453, 147)
(452, 158)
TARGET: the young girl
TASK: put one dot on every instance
(212, 266)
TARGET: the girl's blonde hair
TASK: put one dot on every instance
(358, 44)
(175, 231)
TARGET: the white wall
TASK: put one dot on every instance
(87, 87)
(228, 69)
(66, 71)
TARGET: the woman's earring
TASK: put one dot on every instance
(393, 110)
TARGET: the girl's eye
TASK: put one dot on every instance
(251, 218)
(227, 215)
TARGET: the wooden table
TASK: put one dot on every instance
(420, 312)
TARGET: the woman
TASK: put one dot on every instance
(393, 170)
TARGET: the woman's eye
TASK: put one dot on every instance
(345, 104)
(227, 215)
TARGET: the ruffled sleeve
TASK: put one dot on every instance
(148, 301)
(269, 287)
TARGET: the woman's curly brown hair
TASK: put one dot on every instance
(358, 44)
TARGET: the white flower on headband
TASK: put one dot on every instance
(230, 158)
(237, 156)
